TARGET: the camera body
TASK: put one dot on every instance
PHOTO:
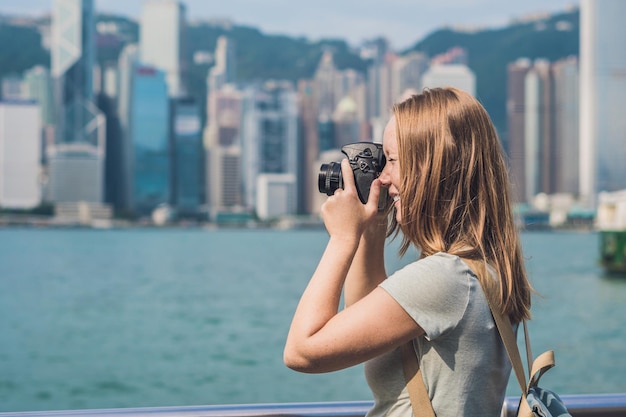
(367, 161)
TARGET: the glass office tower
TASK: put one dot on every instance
(149, 132)
(187, 150)
(78, 120)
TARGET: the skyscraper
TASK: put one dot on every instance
(542, 102)
(223, 151)
(222, 141)
(161, 41)
(38, 87)
(538, 130)
(456, 75)
(20, 133)
(186, 151)
(407, 74)
(78, 121)
(149, 135)
(325, 80)
(515, 107)
(602, 92)
(73, 59)
(378, 88)
(269, 135)
(224, 70)
(566, 134)
(309, 149)
(127, 61)
(346, 122)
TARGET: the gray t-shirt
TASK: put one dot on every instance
(463, 361)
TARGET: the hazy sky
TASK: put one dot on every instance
(403, 22)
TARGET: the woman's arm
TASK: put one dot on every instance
(370, 327)
(368, 265)
(320, 338)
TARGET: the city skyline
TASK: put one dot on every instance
(401, 22)
(336, 106)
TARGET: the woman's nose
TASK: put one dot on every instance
(384, 177)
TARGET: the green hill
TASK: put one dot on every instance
(490, 51)
(264, 56)
(20, 50)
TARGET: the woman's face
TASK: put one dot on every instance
(390, 176)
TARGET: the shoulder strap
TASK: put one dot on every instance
(536, 368)
(420, 402)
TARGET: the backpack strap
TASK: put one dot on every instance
(536, 368)
(420, 401)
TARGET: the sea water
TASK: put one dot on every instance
(174, 317)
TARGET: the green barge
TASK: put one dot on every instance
(613, 251)
(611, 225)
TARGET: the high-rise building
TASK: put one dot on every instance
(13, 88)
(224, 70)
(324, 98)
(377, 86)
(222, 143)
(73, 61)
(566, 133)
(538, 131)
(149, 136)
(309, 149)
(276, 195)
(325, 81)
(515, 143)
(602, 92)
(78, 120)
(127, 61)
(346, 122)
(20, 151)
(186, 146)
(38, 86)
(454, 75)
(330, 87)
(114, 178)
(161, 41)
(407, 74)
(269, 134)
(76, 173)
(351, 84)
(542, 103)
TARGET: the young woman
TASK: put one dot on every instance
(448, 179)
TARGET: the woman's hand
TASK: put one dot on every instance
(322, 338)
(343, 213)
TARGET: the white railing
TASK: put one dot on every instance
(597, 405)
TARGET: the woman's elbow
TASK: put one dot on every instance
(293, 359)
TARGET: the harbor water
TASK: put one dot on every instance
(163, 317)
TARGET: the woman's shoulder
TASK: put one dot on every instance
(441, 261)
(437, 270)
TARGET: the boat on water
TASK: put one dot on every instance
(611, 225)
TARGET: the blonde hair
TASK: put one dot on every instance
(455, 190)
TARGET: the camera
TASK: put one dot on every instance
(367, 161)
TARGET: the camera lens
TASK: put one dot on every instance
(330, 178)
